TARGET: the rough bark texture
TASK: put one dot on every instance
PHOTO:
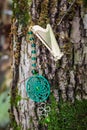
(67, 76)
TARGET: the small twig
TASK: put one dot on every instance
(66, 13)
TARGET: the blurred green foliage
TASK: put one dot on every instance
(4, 106)
(85, 3)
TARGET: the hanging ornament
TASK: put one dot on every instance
(37, 86)
(47, 37)
(43, 111)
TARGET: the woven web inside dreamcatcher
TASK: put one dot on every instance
(38, 88)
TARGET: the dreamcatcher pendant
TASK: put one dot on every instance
(37, 86)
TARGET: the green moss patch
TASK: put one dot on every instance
(69, 117)
(4, 106)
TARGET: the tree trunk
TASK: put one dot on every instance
(67, 76)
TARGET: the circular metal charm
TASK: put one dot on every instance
(38, 88)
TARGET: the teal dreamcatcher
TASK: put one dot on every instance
(37, 86)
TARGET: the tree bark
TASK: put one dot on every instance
(66, 76)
